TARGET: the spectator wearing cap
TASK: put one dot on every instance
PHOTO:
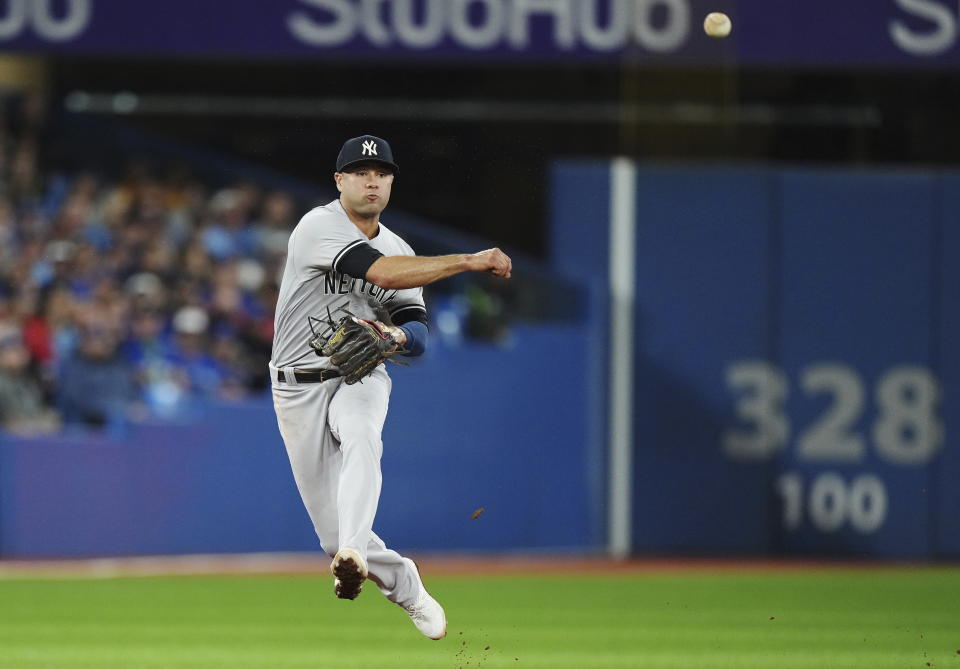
(146, 292)
(148, 348)
(202, 374)
(55, 266)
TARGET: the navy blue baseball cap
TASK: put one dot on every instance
(363, 149)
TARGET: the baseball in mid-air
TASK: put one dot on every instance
(717, 24)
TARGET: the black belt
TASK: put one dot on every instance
(309, 375)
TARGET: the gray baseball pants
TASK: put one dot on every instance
(332, 435)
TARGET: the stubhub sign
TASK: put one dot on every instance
(597, 25)
(859, 33)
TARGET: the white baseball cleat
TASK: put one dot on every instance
(349, 571)
(427, 614)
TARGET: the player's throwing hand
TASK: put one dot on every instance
(494, 261)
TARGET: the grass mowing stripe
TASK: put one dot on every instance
(874, 619)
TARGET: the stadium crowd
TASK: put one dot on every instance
(145, 295)
(130, 297)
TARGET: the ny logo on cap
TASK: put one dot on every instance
(369, 148)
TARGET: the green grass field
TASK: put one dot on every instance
(822, 619)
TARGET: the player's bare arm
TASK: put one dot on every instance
(399, 272)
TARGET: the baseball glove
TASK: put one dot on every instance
(355, 346)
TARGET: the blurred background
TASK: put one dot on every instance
(732, 329)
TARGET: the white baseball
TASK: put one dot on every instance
(717, 24)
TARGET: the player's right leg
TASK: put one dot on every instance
(313, 452)
(317, 460)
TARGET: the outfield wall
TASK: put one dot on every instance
(498, 428)
(797, 375)
(795, 392)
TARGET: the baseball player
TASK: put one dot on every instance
(330, 388)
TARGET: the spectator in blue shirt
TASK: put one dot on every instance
(96, 383)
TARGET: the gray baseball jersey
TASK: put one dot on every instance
(312, 282)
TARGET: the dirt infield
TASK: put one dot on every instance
(306, 564)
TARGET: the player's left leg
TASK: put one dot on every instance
(356, 417)
(399, 580)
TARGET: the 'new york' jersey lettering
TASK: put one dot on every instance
(312, 283)
(335, 283)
